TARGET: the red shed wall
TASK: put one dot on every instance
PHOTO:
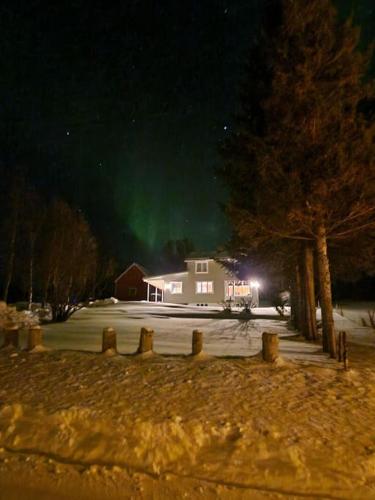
(131, 279)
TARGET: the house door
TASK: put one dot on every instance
(156, 295)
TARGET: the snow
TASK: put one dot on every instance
(79, 424)
(173, 325)
(352, 317)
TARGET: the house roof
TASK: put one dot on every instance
(167, 275)
(158, 281)
(208, 256)
(141, 268)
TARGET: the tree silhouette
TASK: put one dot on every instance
(304, 169)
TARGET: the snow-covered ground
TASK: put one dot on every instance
(354, 317)
(173, 326)
(82, 425)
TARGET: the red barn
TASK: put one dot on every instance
(129, 285)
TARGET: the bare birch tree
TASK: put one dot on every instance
(69, 259)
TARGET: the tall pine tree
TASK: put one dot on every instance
(301, 165)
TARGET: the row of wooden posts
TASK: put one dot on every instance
(109, 339)
(146, 341)
(270, 342)
(11, 337)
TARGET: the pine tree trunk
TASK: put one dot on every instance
(310, 309)
(329, 337)
(298, 299)
(294, 302)
(304, 322)
(46, 289)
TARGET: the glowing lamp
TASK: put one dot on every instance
(254, 284)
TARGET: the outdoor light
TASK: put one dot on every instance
(254, 284)
(167, 286)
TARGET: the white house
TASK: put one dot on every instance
(205, 281)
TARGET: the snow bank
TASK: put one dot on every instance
(10, 315)
(77, 435)
(290, 429)
(103, 302)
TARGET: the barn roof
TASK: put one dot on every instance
(141, 268)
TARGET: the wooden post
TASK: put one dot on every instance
(339, 347)
(343, 352)
(146, 340)
(270, 346)
(197, 342)
(346, 361)
(11, 336)
(35, 337)
(109, 340)
(371, 316)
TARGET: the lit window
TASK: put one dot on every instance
(241, 290)
(201, 266)
(175, 286)
(237, 289)
(229, 289)
(204, 287)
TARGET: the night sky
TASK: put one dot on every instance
(119, 107)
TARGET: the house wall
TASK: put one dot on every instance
(131, 279)
(216, 273)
